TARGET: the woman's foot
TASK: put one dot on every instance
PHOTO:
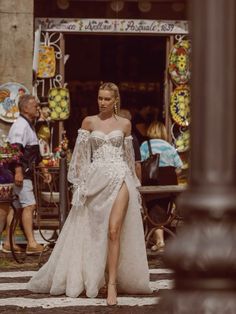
(6, 248)
(111, 294)
(36, 249)
(158, 247)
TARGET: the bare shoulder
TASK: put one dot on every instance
(125, 125)
(87, 123)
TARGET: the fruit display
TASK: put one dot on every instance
(180, 105)
(51, 161)
(9, 153)
(182, 142)
(179, 62)
(59, 103)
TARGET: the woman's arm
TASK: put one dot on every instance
(127, 127)
(81, 158)
(87, 124)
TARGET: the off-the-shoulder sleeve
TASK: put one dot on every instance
(81, 158)
(129, 157)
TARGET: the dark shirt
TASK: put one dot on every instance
(138, 119)
(23, 134)
(137, 155)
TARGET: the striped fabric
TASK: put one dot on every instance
(168, 154)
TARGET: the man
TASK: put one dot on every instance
(139, 123)
(23, 134)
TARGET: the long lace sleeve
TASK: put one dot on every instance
(81, 158)
(129, 157)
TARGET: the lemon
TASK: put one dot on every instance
(63, 115)
(53, 92)
(58, 98)
(63, 104)
(52, 104)
(63, 93)
(45, 161)
(58, 109)
(54, 115)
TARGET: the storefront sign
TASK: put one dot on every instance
(112, 26)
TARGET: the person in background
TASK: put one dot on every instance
(139, 123)
(43, 129)
(170, 166)
(125, 113)
(22, 133)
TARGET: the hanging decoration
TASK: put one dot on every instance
(180, 105)
(59, 103)
(182, 140)
(46, 62)
(179, 62)
(9, 98)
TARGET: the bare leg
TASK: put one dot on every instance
(159, 235)
(160, 243)
(7, 240)
(3, 216)
(9, 220)
(27, 221)
(115, 223)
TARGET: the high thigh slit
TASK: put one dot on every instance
(100, 164)
(117, 198)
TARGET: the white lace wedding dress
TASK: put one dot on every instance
(100, 164)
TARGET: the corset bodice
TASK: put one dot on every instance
(107, 147)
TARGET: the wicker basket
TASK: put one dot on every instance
(6, 192)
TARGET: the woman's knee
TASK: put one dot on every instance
(114, 233)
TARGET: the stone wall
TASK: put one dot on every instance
(16, 44)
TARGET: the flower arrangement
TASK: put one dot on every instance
(179, 62)
(9, 153)
(180, 105)
(182, 142)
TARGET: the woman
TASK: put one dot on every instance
(104, 228)
(170, 165)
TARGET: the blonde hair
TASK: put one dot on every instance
(114, 88)
(157, 130)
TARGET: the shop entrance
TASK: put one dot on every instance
(135, 63)
(133, 53)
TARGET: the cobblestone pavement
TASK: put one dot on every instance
(14, 298)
